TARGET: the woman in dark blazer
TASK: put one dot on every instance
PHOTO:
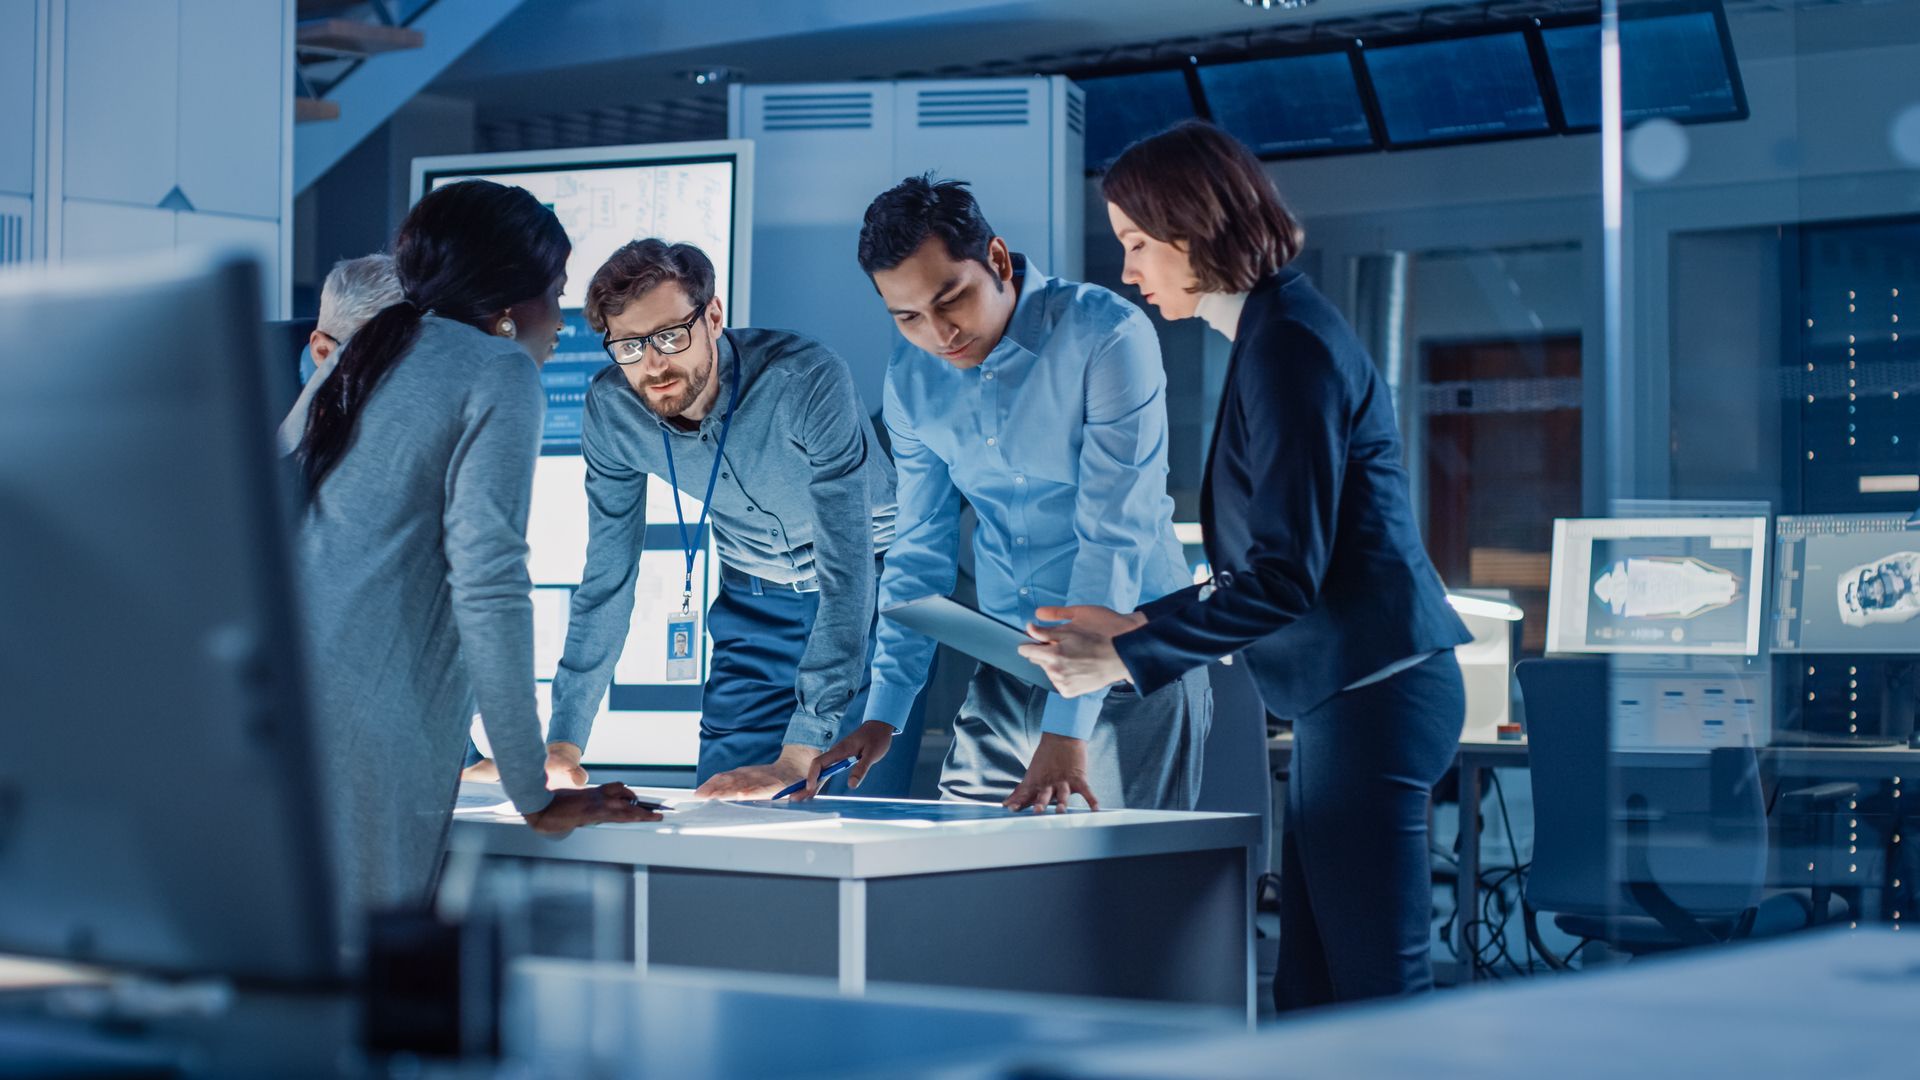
(1322, 584)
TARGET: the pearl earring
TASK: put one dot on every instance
(506, 329)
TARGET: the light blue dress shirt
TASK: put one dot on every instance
(1059, 442)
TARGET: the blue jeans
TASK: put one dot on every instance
(758, 636)
(1356, 886)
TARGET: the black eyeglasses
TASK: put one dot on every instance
(673, 339)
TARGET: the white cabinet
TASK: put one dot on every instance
(232, 66)
(17, 75)
(822, 151)
(122, 100)
(255, 236)
(91, 230)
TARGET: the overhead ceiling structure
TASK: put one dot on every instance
(560, 66)
(579, 72)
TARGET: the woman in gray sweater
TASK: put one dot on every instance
(419, 452)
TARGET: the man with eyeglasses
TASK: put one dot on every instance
(764, 429)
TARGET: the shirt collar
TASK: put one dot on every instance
(1222, 311)
(1026, 329)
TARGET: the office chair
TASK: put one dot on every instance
(1689, 864)
(1233, 776)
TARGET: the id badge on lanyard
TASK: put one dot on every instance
(683, 627)
(683, 642)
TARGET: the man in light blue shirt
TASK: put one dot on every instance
(1041, 403)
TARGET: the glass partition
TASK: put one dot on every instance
(1761, 219)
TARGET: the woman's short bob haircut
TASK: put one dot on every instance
(1197, 187)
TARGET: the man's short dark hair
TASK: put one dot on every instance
(905, 215)
(639, 267)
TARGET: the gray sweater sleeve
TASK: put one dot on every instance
(838, 439)
(603, 604)
(489, 489)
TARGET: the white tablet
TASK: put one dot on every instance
(982, 637)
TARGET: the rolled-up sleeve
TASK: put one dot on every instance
(837, 442)
(923, 561)
(1120, 511)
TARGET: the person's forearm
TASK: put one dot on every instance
(835, 657)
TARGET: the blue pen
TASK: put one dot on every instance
(826, 774)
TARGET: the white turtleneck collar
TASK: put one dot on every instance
(1222, 311)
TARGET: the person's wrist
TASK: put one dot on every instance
(564, 751)
(795, 756)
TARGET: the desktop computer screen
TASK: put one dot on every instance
(697, 193)
(1685, 586)
(1846, 583)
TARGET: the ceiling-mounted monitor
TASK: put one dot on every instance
(1291, 105)
(1457, 87)
(1676, 63)
(1124, 108)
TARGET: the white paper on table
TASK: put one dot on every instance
(705, 814)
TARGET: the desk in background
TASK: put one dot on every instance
(1819, 1004)
(1139, 904)
(1777, 763)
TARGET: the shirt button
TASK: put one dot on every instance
(724, 476)
(1019, 479)
(1024, 592)
(989, 376)
(1019, 541)
(991, 441)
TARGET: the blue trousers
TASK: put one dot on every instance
(1356, 887)
(758, 636)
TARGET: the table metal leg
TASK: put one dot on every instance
(1467, 888)
(640, 919)
(853, 937)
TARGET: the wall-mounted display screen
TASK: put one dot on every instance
(1456, 89)
(1285, 105)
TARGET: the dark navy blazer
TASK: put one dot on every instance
(1320, 576)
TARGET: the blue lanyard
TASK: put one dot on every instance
(719, 455)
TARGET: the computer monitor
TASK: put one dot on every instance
(1677, 62)
(1674, 586)
(1846, 583)
(158, 803)
(698, 193)
(1283, 106)
(1456, 88)
(1124, 108)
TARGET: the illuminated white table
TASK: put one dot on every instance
(1140, 904)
